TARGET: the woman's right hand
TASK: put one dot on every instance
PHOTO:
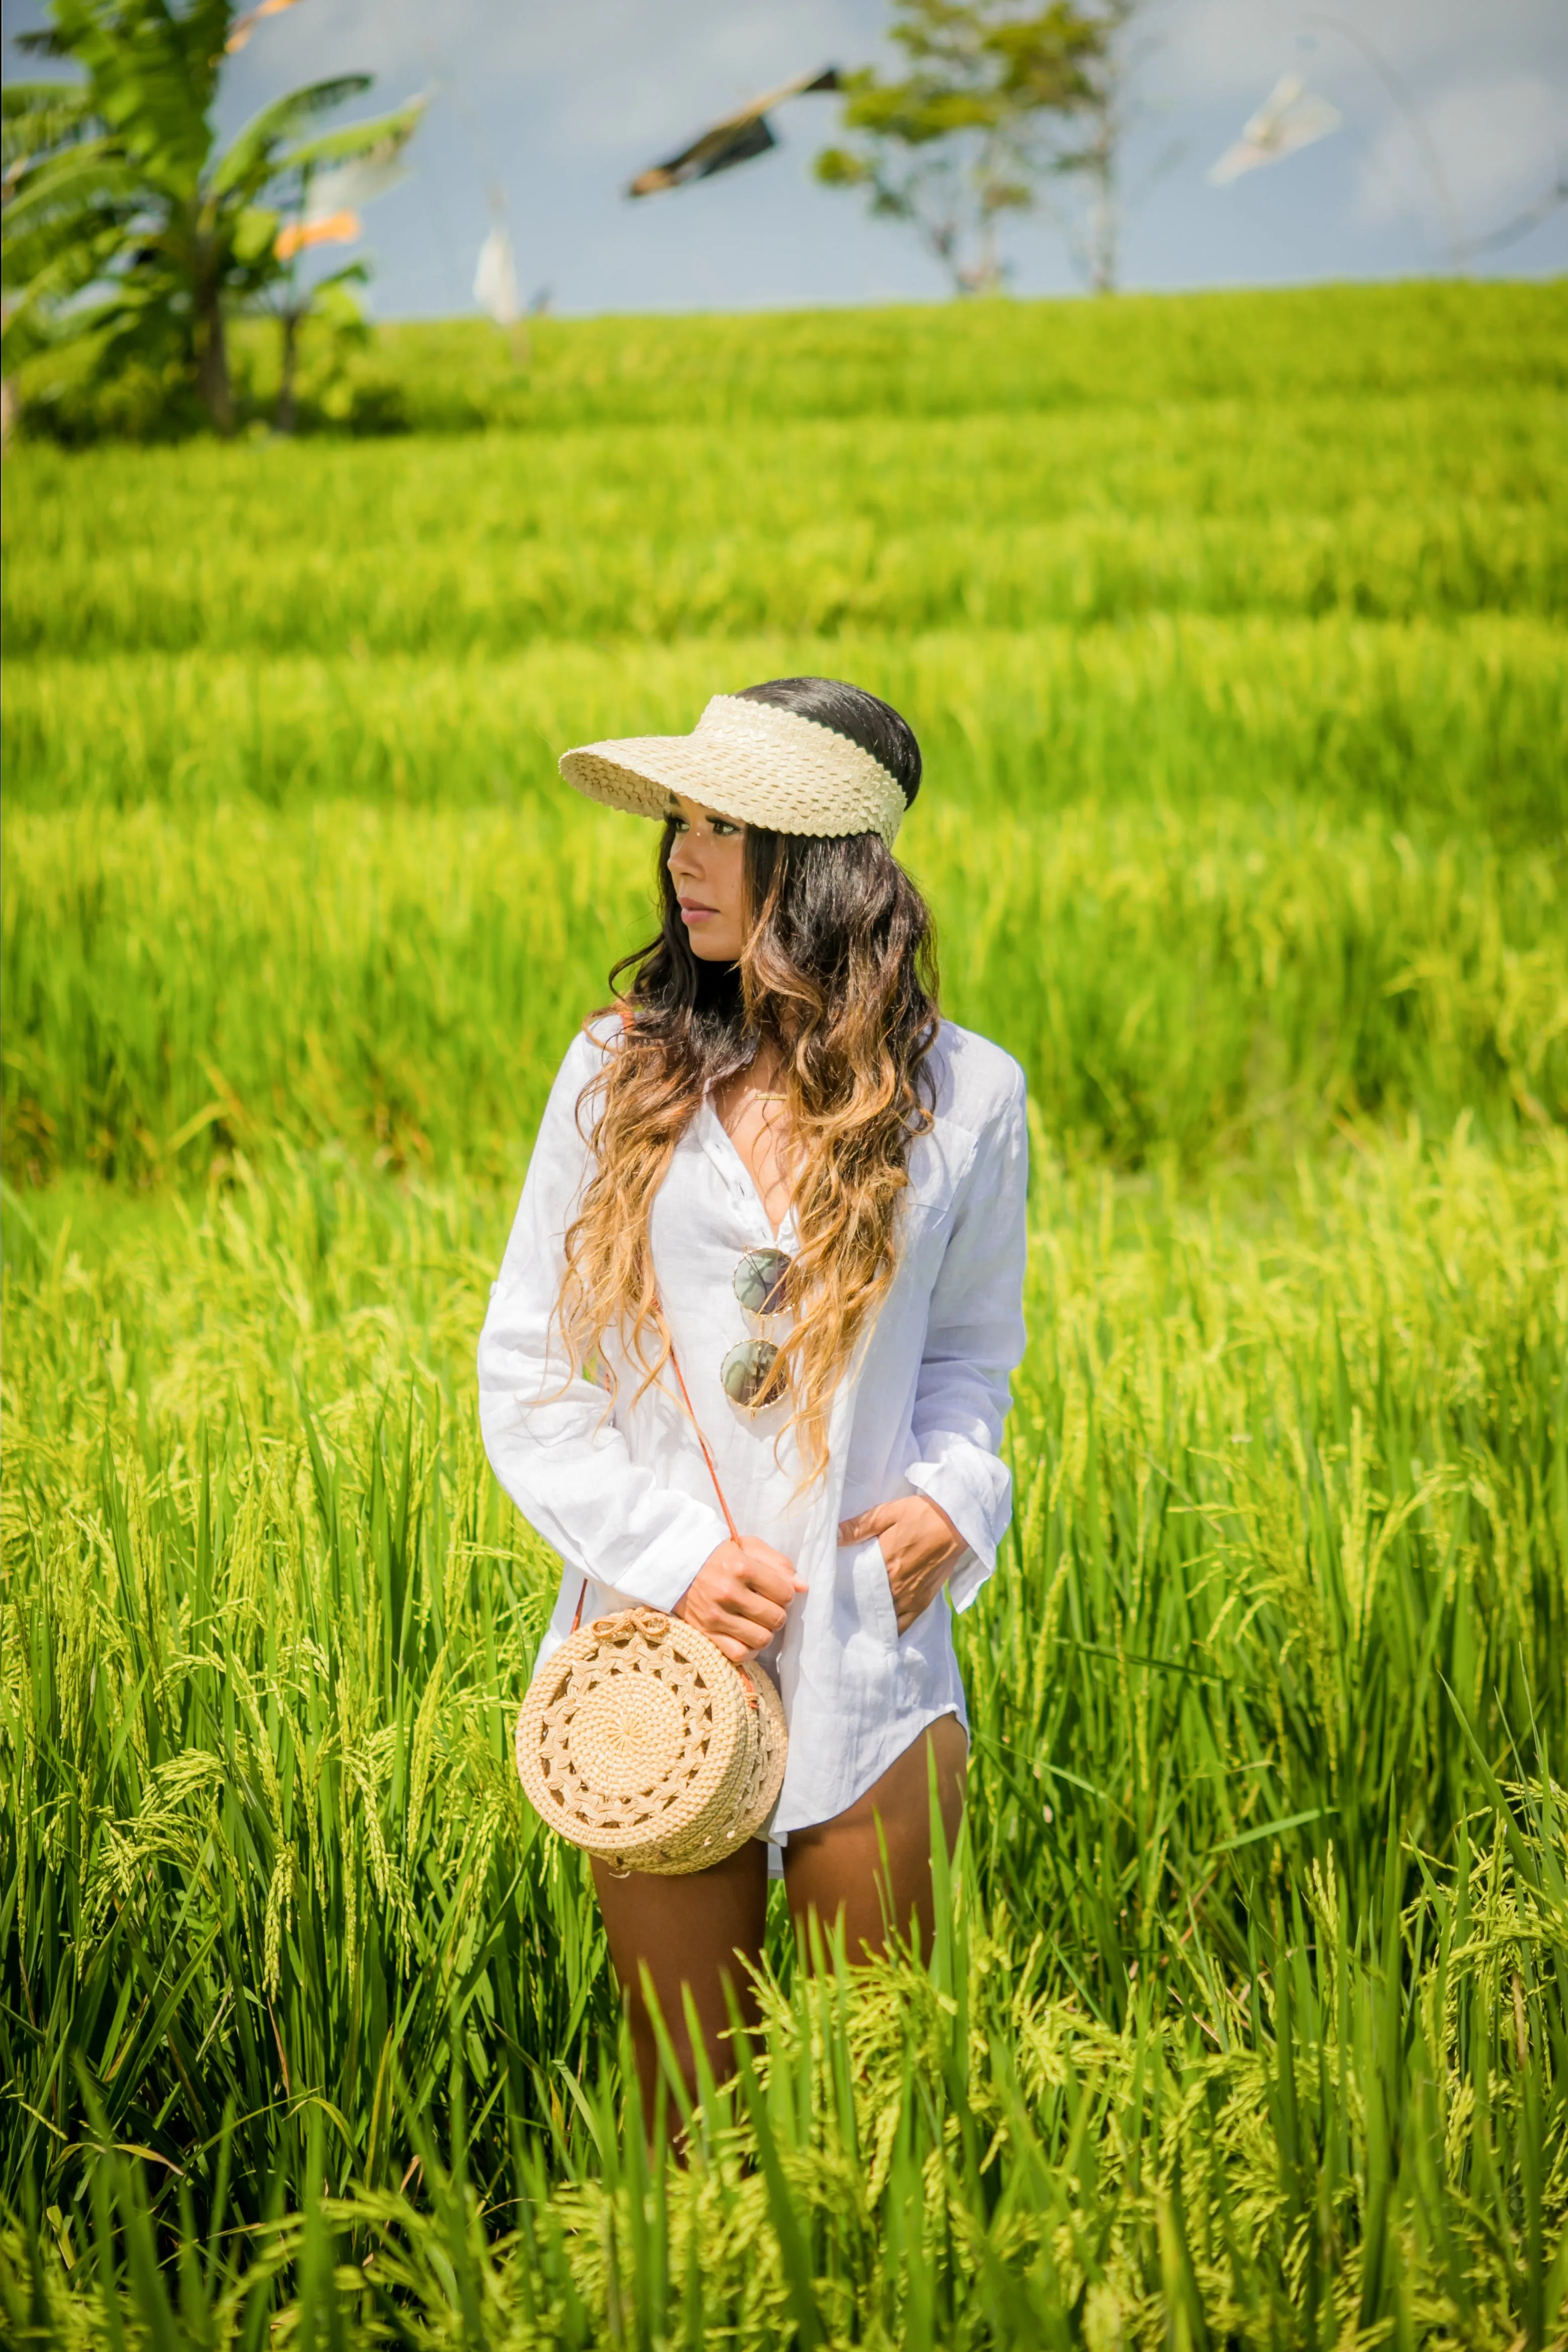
(739, 1596)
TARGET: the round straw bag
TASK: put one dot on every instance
(640, 1742)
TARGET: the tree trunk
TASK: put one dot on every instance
(988, 274)
(212, 360)
(1108, 117)
(1105, 224)
(284, 419)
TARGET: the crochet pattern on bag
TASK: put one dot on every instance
(640, 1741)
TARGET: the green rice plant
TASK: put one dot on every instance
(1169, 981)
(1254, 2005)
(958, 2159)
(938, 360)
(1438, 727)
(1395, 510)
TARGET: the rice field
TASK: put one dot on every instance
(1232, 627)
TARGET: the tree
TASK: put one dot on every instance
(120, 221)
(976, 126)
(1103, 114)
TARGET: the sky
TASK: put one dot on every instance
(552, 105)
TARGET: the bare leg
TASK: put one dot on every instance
(686, 1931)
(835, 1868)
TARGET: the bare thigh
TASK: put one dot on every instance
(836, 1868)
(694, 1933)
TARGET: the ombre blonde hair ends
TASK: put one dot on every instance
(838, 973)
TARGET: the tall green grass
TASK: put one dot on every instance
(1428, 726)
(1257, 1996)
(1188, 981)
(931, 362)
(1388, 510)
(1231, 628)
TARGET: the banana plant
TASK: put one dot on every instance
(122, 220)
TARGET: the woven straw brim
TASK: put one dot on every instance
(749, 760)
(640, 1741)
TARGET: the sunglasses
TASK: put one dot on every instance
(750, 1372)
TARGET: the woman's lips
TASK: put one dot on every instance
(692, 910)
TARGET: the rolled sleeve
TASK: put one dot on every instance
(974, 1340)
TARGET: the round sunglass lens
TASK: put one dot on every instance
(760, 1281)
(747, 1372)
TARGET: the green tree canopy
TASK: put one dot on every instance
(974, 128)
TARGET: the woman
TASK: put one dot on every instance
(775, 1159)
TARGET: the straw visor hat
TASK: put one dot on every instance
(747, 760)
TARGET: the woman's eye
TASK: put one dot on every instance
(722, 830)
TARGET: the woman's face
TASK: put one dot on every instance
(707, 868)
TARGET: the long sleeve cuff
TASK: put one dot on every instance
(665, 1571)
(976, 1491)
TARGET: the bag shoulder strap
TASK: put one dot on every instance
(707, 1452)
(712, 1472)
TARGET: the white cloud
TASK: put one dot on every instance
(588, 41)
(1496, 142)
(1223, 47)
(668, 90)
(1226, 47)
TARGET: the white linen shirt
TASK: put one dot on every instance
(620, 1489)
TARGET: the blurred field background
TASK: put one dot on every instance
(1232, 629)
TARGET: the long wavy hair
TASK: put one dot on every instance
(838, 974)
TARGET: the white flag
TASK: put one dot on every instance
(1289, 117)
(495, 280)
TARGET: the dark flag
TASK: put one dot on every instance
(734, 141)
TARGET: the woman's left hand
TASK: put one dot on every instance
(919, 1544)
